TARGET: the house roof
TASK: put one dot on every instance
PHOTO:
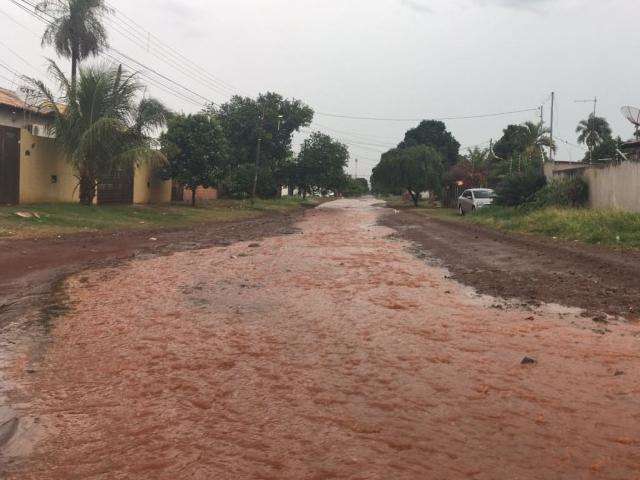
(11, 99)
(631, 144)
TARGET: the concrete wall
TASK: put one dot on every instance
(201, 194)
(148, 188)
(615, 186)
(45, 174)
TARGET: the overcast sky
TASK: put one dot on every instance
(406, 59)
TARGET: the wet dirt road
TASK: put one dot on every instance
(334, 353)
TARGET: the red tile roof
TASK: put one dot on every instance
(11, 99)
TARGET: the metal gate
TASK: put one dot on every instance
(9, 165)
(117, 188)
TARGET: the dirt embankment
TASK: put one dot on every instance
(597, 279)
(31, 269)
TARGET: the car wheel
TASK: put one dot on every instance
(461, 210)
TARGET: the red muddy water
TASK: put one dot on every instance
(330, 354)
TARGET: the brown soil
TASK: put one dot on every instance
(31, 269)
(533, 269)
(333, 354)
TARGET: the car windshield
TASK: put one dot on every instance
(483, 194)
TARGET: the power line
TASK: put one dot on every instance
(7, 79)
(13, 20)
(171, 51)
(149, 78)
(17, 55)
(135, 38)
(140, 64)
(465, 117)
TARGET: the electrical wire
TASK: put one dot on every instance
(464, 117)
(175, 52)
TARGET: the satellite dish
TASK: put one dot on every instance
(633, 115)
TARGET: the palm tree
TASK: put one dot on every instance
(593, 131)
(101, 126)
(76, 30)
(537, 138)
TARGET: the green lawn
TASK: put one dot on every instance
(601, 227)
(65, 218)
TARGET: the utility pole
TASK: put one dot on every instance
(356, 175)
(258, 148)
(541, 115)
(553, 104)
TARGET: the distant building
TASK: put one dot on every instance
(33, 170)
(612, 185)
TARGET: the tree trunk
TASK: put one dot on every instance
(75, 54)
(87, 188)
(414, 197)
(193, 196)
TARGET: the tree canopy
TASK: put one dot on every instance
(321, 164)
(270, 118)
(593, 131)
(433, 133)
(76, 30)
(415, 170)
(196, 150)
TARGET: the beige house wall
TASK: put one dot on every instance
(45, 174)
(615, 186)
(148, 188)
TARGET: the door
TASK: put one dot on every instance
(9, 165)
(117, 188)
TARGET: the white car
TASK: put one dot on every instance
(474, 199)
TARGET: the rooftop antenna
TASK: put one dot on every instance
(633, 115)
(593, 100)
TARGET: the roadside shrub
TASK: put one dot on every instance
(566, 192)
(519, 188)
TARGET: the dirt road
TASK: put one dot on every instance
(601, 280)
(334, 353)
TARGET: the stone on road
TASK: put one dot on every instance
(334, 353)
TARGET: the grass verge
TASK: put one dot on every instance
(600, 227)
(65, 218)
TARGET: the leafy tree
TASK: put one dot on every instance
(593, 131)
(355, 187)
(605, 150)
(101, 126)
(196, 150)
(76, 31)
(433, 133)
(270, 118)
(321, 164)
(413, 169)
(513, 142)
(520, 149)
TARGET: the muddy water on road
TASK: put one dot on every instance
(330, 354)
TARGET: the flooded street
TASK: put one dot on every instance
(332, 353)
